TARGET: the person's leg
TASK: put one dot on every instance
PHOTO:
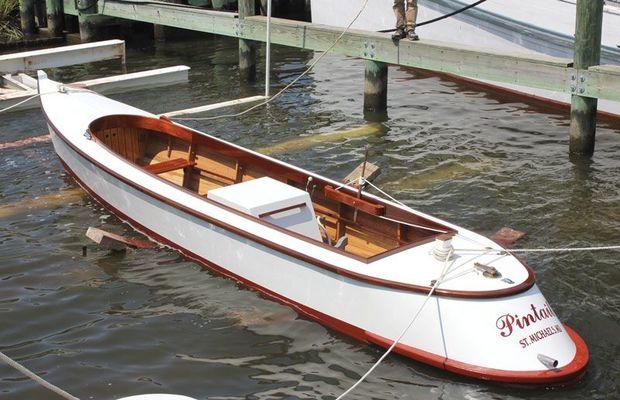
(412, 15)
(399, 13)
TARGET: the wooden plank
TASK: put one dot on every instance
(507, 236)
(69, 7)
(602, 82)
(116, 242)
(137, 80)
(62, 56)
(350, 200)
(215, 106)
(371, 171)
(167, 166)
(109, 85)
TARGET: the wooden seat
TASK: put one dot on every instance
(170, 165)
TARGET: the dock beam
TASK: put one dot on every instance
(375, 86)
(588, 32)
(26, 14)
(55, 17)
(247, 48)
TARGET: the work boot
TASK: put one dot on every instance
(398, 34)
(411, 35)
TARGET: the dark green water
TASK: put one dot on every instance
(106, 326)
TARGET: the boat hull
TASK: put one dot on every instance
(449, 334)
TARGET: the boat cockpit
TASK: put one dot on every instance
(305, 204)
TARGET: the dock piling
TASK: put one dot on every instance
(26, 14)
(40, 14)
(375, 86)
(247, 49)
(55, 17)
(87, 11)
(588, 31)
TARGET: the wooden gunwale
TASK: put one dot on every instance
(150, 124)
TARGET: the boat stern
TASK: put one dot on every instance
(517, 339)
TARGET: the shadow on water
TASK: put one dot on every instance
(111, 325)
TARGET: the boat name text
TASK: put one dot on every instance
(507, 323)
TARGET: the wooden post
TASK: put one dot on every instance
(55, 17)
(39, 12)
(159, 33)
(247, 49)
(72, 24)
(87, 11)
(375, 86)
(26, 14)
(588, 31)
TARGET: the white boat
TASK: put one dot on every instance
(253, 218)
(524, 26)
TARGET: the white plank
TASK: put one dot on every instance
(62, 56)
(137, 80)
(109, 85)
(215, 106)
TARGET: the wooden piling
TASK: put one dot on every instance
(159, 33)
(39, 12)
(26, 14)
(247, 49)
(87, 12)
(375, 86)
(72, 24)
(588, 32)
(55, 17)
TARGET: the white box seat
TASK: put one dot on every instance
(272, 201)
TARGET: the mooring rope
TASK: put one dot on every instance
(20, 103)
(438, 281)
(543, 249)
(430, 21)
(310, 68)
(36, 377)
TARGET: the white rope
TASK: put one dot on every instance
(362, 181)
(36, 378)
(564, 249)
(315, 62)
(20, 103)
(438, 281)
(543, 250)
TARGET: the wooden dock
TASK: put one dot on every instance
(536, 71)
(582, 80)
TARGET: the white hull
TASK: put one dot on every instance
(534, 26)
(471, 336)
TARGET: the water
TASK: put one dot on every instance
(106, 326)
